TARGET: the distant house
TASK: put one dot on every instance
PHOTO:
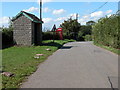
(27, 29)
(118, 12)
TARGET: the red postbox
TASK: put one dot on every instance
(60, 33)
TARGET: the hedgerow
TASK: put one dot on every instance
(7, 36)
(106, 31)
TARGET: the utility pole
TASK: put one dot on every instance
(40, 9)
(77, 16)
(40, 35)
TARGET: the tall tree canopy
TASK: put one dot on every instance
(70, 26)
(106, 31)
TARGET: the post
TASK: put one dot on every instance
(41, 23)
(77, 16)
(53, 36)
(40, 9)
(53, 29)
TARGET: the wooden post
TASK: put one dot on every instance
(41, 23)
(40, 9)
(53, 29)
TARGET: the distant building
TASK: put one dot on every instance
(27, 29)
(118, 12)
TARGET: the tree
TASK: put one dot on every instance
(71, 27)
(84, 30)
(7, 34)
(106, 31)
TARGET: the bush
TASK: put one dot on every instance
(49, 36)
(80, 36)
(88, 38)
(7, 36)
(105, 31)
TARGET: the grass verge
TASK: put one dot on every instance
(117, 51)
(21, 62)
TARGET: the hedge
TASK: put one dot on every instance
(49, 36)
(7, 36)
(105, 31)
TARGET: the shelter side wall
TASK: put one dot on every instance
(33, 33)
(22, 31)
(39, 34)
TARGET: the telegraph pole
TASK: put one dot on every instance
(77, 16)
(41, 23)
(40, 9)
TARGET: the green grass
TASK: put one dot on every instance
(21, 61)
(117, 51)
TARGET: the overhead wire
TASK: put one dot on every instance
(99, 7)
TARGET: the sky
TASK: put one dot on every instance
(57, 12)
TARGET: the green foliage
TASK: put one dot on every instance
(71, 28)
(84, 30)
(80, 36)
(105, 31)
(88, 38)
(117, 51)
(7, 36)
(49, 36)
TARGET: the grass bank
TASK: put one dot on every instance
(117, 51)
(21, 62)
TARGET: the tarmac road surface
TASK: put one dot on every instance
(76, 65)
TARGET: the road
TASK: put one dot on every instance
(76, 65)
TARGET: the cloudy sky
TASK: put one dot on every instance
(57, 12)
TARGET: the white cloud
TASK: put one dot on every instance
(82, 21)
(109, 15)
(109, 11)
(32, 9)
(61, 18)
(97, 14)
(4, 21)
(59, 11)
(47, 20)
(73, 15)
(86, 16)
(93, 16)
(46, 9)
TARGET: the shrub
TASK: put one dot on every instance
(7, 36)
(105, 31)
(88, 38)
(49, 36)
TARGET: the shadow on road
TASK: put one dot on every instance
(66, 47)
